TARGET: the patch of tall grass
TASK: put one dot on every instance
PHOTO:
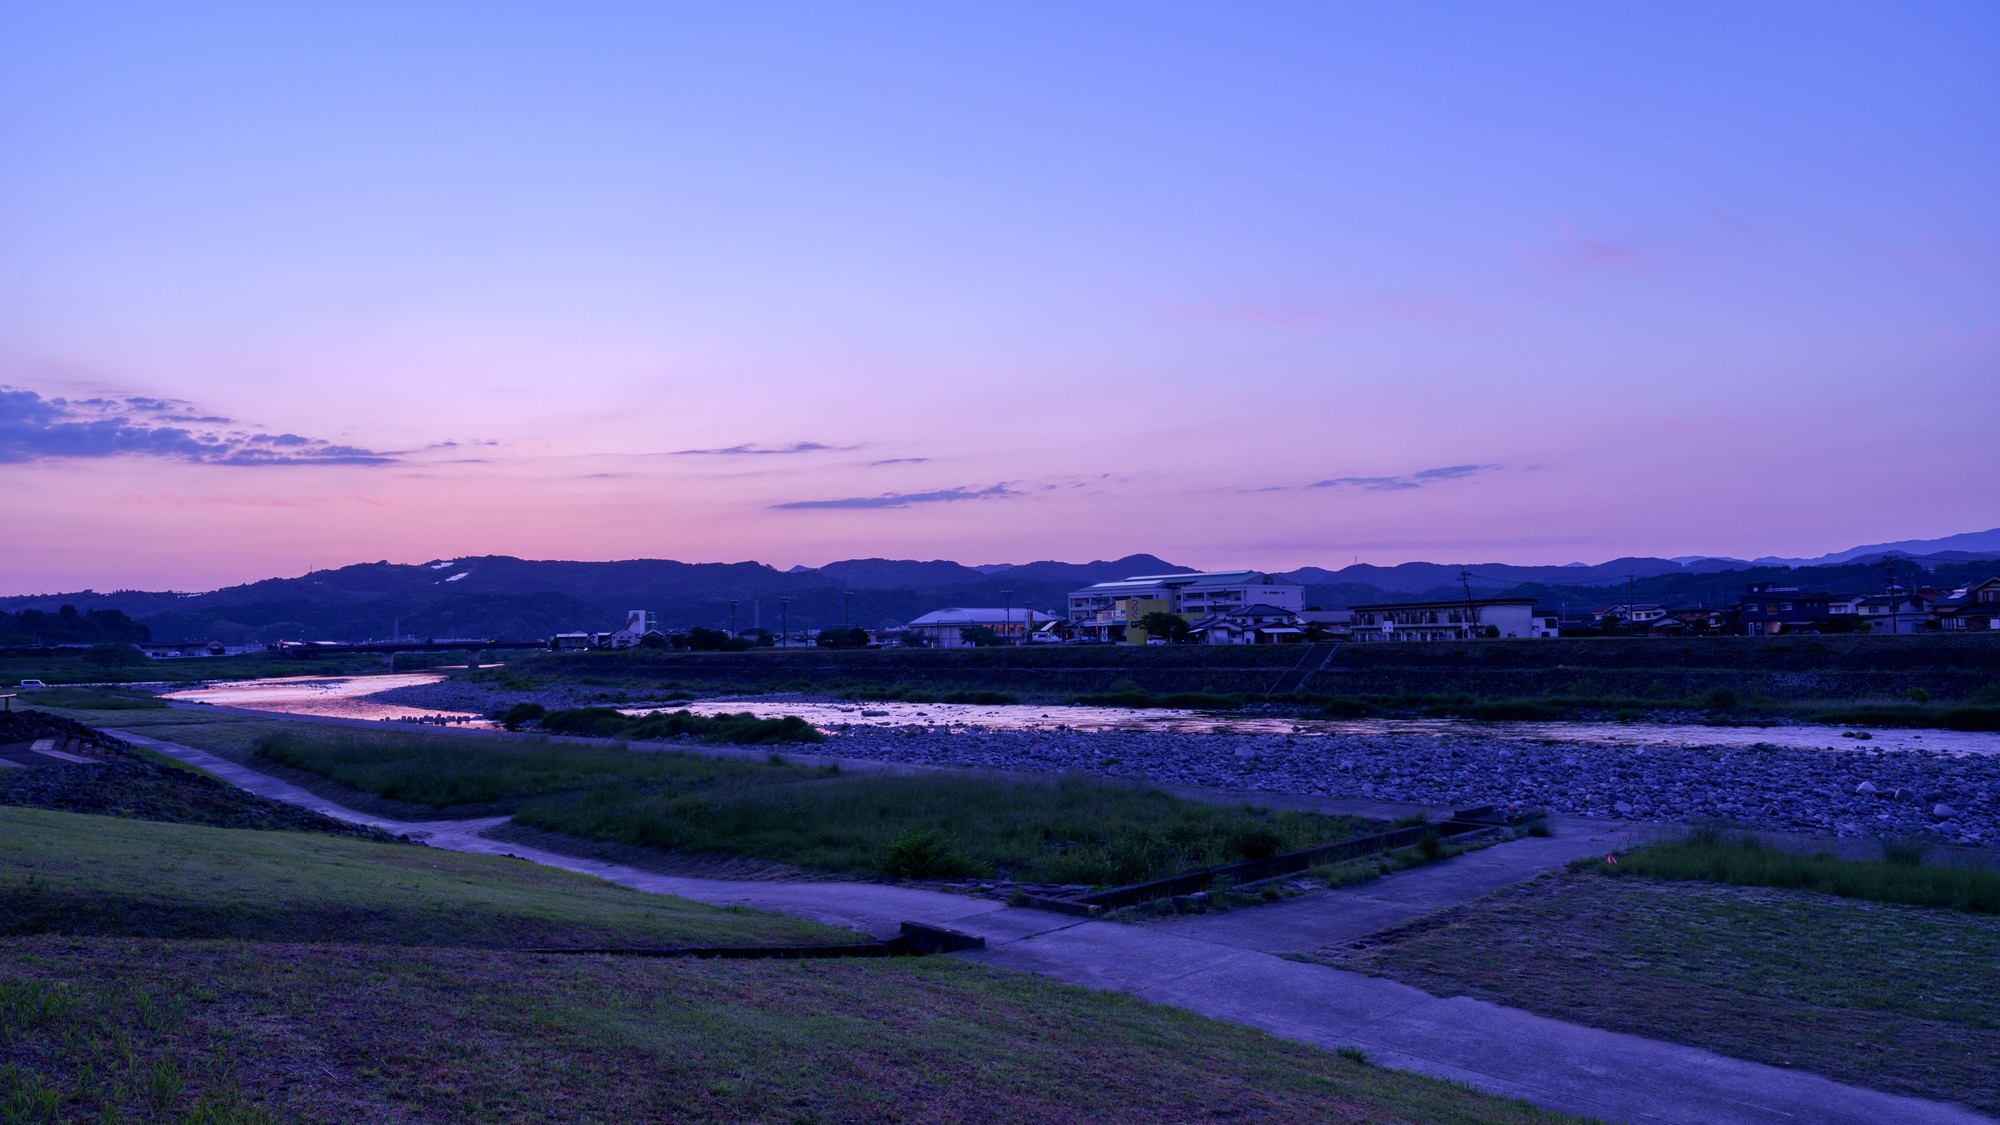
(444, 770)
(1744, 861)
(742, 728)
(1071, 831)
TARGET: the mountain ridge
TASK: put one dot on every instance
(500, 595)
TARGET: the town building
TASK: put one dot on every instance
(1451, 621)
(1969, 607)
(1109, 611)
(1251, 625)
(945, 628)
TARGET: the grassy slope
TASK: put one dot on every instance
(345, 1033)
(77, 874)
(1897, 997)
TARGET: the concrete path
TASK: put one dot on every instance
(1217, 967)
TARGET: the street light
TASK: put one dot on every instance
(785, 621)
(846, 600)
(1009, 630)
(732, 617)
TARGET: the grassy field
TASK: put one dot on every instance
(919, 826)
(69, 873)
(1897, 997)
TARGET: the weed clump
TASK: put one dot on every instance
(923, 854)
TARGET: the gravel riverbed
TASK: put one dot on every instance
(1843, 792)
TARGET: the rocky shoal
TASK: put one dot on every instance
(1842, 792)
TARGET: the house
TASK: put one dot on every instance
(1629, 613)
(944, 628)
(1969, 607)
(1897, 611)
(1251, 625)
(1769, 609)
(1451, 621)
(1107, 611)
(1697, 617)
(570, 642)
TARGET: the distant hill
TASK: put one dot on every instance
(1971, 544)
(502, 596)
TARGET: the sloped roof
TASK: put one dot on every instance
(969, 616)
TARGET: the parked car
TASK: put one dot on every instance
(32, 684)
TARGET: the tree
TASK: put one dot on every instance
(842, 638)
(979, 636)
(702, 639)
(112, 656)
(1169, 627)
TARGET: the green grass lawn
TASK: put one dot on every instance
(77, 874)
(1901, 998)
(248, 1034)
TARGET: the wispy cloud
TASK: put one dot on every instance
(1409, 480)
(1418, 479)
(751, 449)
(899, 461)
(903, 499)
(33, 428)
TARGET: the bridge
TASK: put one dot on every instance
(475, 648)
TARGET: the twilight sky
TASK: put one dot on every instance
(1274, 284)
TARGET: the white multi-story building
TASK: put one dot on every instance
(1108, 610)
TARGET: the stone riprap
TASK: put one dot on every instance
(1838, 792)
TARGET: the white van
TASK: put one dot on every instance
(32, 684)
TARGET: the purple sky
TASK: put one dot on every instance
(1270, 285)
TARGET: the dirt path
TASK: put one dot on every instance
(1223, 966)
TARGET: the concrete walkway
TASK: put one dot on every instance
(1219, 966)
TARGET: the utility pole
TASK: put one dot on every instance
(732, 617)
(1009, 595)
(1631, 599)
(846, 602)
(785, 621)
(1465, 583)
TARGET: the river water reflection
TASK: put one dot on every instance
(351, 697)
(339, 697)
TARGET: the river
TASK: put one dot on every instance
(351, 697)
